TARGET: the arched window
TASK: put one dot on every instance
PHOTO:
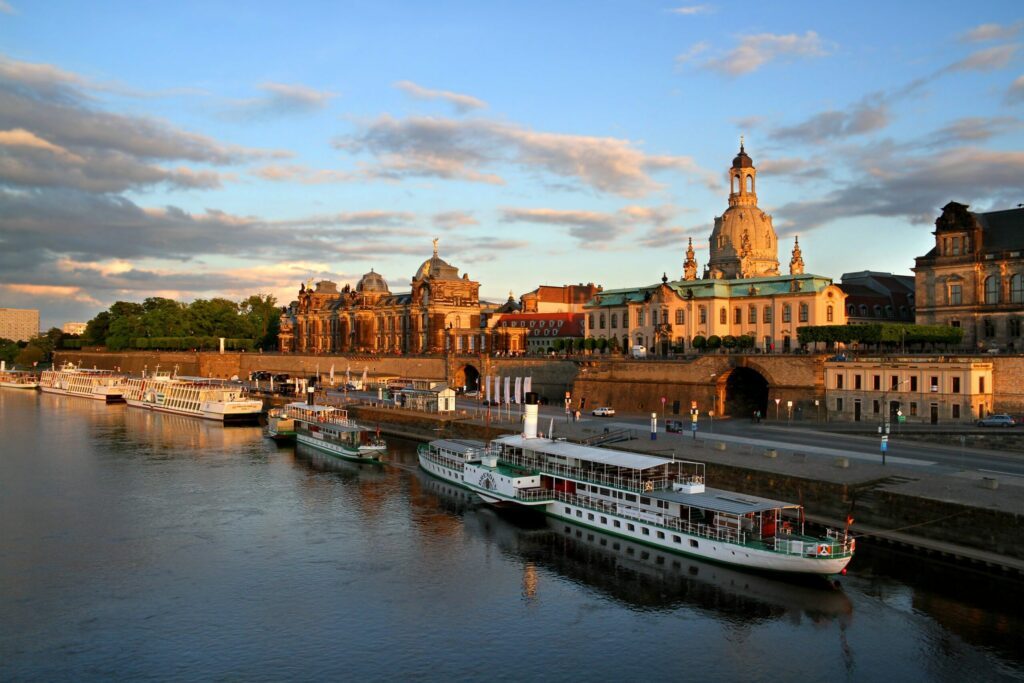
(828, 314)
(877, 310)
(722, 316)
(989, 328)
(851, 310)
(787, 313)
(1017, 289)
(737, 316)
(601, 320)
(654, 317)
(703, 315)
(615, 321)
(590, 321)
(863, 310)
(803, 313)
(752, 314)
(992, 289)
(767, 314)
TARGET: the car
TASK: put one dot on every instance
(996, 421)
(603, 411)
(673, 426)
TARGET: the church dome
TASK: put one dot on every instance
(372, 282)
(436, 268)
(741, 160)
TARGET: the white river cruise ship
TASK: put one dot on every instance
(660, 502)
(69, 380)
(329, 429)
(194, 396)
(17, 379)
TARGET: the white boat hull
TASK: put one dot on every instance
(363, 454)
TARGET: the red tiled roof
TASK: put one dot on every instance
(559, 324)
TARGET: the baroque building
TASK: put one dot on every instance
(742, 292)
(973, 278)
(440, 313)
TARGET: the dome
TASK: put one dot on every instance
(741, 160)
(372, 282)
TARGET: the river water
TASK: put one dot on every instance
(143, 546)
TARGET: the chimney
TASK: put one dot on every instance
(530, 416)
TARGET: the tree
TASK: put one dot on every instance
(9, 350)
(613, 344)
(729, 341)
(30, 355)
(699, 342)
(589, 343)
(714, 341)
(96, 329)
(602, 344)
(264, 318)
(558, 345)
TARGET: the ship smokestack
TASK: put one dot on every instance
(530, 416)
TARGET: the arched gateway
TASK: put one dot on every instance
(467, 376)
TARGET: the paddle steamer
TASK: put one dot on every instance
(69, 380)
(18, 379)
(193, 396)
(659, 502)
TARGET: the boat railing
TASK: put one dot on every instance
(336, 416)
(633, 484)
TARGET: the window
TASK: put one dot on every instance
(913, 383)
(803, 313)
(876, 382)
(661, 534)
(644, 500)
(956, 294)
(956, 411)
(839, 405)
(894, 383)
(981, 385)
(767, 314)
(935, 383)
(722, 316)
(654, 318)
(956, 246)
(645, 531)
(1017, 289)
(752, 315)
(676, 539)
(875, 407)
(703, 315)
(680, 316)
(693, 543)
(839, 381)
(630, 527)
(913, 408)
(851, 310)
(590, 321)
(615, 321)
(737, 316)
(601, 320)
(1013, 327)
(616, 523)
(988, 328)
(856, 381)
(992, 289)
(590, 516)
(956, 385)
(640, 318)
(828, 314)
(786, 313)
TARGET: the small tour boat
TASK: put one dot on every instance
(18, 379)
(281, 423)
(71, 380)
(330, 430)
(656, 501)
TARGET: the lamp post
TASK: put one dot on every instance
(777, 402)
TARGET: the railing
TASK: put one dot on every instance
(610, 437)
(636, 484)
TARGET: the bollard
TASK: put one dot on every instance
(771, 453)
(989, 483)
(719, 445)
(842, 463)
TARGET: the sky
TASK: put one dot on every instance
(200, 149)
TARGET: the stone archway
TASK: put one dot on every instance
(745, 391)
(466, 376)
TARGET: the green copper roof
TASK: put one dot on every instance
(707, 289)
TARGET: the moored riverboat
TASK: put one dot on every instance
(446, 458)
(281, 423)
(330, 430)
(18, 379)
(195, 397)
(70, 380)
(659, 502)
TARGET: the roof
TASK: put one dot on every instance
(562, 324)
(604, 456)
(459, 445)
(720, 288)
(1002, 229)
(718, 500)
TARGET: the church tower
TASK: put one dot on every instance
(690, 264)
(796, 264)
(743, 242)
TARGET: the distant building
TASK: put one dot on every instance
(973, 278)
(542, 329)
(19, 324)
(73, 328)
(873, 297)
(741, 293)
(564, 299)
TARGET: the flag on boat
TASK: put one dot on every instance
(519, 386)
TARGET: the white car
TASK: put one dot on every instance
(603, 411)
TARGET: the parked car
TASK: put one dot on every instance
(673, 425)
(603, 411)
(996, 421)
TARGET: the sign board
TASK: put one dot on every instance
(901, 418)
(884, 439)
(778, 401)
(789, 404)
(693, 405)
(693, 426)
(663, 399)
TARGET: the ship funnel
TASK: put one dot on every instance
(530, 416)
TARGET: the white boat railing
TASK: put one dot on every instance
(634, 484)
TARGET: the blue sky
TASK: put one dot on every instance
(205, 149)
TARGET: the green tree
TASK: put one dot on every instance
(602, 344)
(30, 355)
(613, 344)
(96, 330)
(729, 341)
(714, 341)
(699, 342)
(9, 350)
(558, 345)
(589, 343)
(264, 318)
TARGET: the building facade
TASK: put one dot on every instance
(542, 330)
(741, 293)
(873, 297)
(441, 313)
(73, 328)
(922, 390)
(973, 278)
(19, 324)
(564, 299)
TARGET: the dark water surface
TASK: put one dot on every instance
(135, 545)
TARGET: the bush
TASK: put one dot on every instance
(699, 342)
(714, 341)
(729, 341)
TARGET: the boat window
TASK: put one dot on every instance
(646, 531)
(616, 524)
(568, 511)
(630, 497)
(644, 500)
(661, 534)
(579, 513)
(630, 527)
(676, 539)
(693, 543)
(604, 520)
(590, 516)
(604, 492)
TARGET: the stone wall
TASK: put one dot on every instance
(1008, 384)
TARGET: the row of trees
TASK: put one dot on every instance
(38, 349)
(159, 323)
(882, 334)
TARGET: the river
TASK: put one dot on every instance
(135, 545)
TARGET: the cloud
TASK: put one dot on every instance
(973, 129)
(1015, 93)
(280, 99)
(989, 59)
(987, 32)
(50, 292)
(461, 103)
(866, 116)
(296, 173)
(56, 136)
(797, 168)
(689, 11)
(912, 187)
(593, 228)
(449, 220)
(695, 50)
(754, 51)
(6, 8)
(467, 149)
